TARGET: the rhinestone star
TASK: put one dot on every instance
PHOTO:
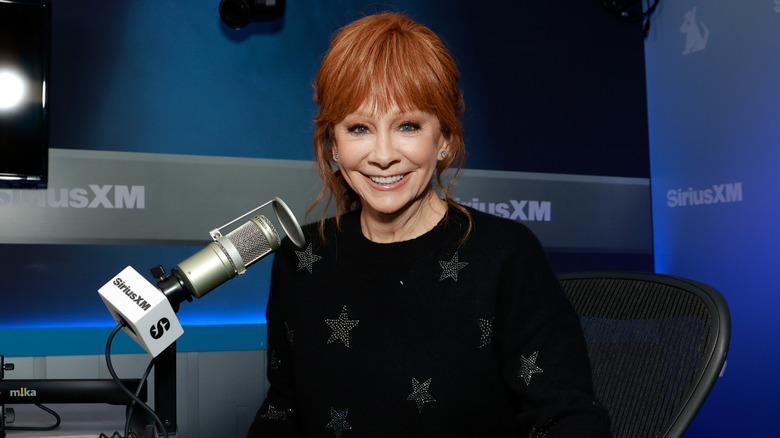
(306, 259)
(486, 325)
(274, 362)
(528, 367)
(338, 421)
(420, 393)
(341, 327)
(274, 414)
(289, 334)
(451, 268)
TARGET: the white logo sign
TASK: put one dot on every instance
(696, 34)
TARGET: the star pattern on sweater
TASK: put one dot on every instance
(420, 394)
(274, 362)
(338, 421)
(450, 269)
(528, 367)
(289, 333)
(341, 327)
(486, 326)
(274, 414)
(306, 259)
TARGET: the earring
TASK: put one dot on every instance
(443, 154)
(335, 155)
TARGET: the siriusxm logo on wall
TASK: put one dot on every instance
(696, 33)
(716, 194)
(90, 196)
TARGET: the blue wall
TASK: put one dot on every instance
(548, 88)
(713, 97)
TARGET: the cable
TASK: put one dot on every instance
(38, 428)
(137, 391)
(129, 433)
(132, 396)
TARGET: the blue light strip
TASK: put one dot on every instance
(70, 341)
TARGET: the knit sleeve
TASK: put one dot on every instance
(277, 417)
(541, 352)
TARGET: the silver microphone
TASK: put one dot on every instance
(228, 256)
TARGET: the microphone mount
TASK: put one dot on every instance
(172, 286)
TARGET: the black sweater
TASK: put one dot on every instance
(424, 338)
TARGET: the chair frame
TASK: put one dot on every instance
(715, 355)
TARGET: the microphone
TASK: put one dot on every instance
(228, 256)
(149, 316)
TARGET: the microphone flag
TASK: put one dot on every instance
(147, 314)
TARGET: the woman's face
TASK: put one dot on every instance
(388, 159)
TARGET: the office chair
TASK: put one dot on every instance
(656, 343)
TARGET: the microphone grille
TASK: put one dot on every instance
(255, 239)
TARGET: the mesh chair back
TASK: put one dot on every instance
(656, 344)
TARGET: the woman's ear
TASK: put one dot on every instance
(444, 148)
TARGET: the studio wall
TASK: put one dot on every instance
(713, 94)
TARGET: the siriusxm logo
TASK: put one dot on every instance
(523, 210)
(159, 329)
(696, 33)
(137, 299)
(92, 196)
(717, 194)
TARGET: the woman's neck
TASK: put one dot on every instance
(407, 224)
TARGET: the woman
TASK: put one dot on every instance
(407, 314)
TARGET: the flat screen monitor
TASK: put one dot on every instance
(25, 52)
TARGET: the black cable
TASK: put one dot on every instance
(132, 396)
(38, 428)
(137, 391)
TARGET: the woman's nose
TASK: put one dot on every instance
(385, 153)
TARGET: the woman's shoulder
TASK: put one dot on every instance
(487, 224)
(320, 232)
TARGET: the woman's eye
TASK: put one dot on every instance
(358, 129)
(410, 126)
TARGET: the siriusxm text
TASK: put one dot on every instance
(137, 299)
(717, 194)
(522, 210)
(92, 196)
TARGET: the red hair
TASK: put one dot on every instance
(385, 60)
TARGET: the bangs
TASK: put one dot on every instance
(394, 67)
(399, 75)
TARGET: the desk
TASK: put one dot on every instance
(77, 420)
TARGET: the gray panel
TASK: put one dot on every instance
(231, 387)
(102, 197)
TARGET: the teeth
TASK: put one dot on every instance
(386, 180)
